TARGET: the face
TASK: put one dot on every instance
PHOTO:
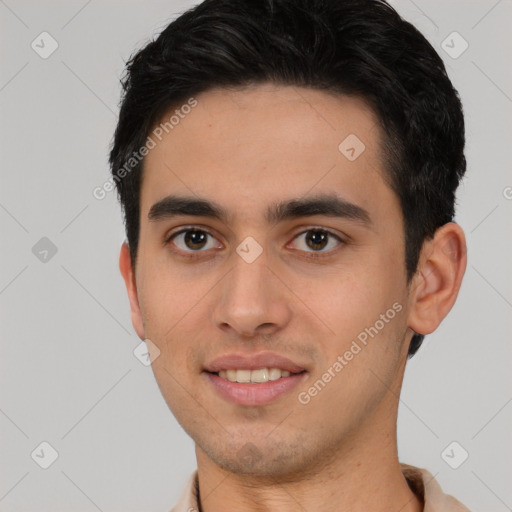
(299, 268)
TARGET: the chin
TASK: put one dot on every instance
(262, 457)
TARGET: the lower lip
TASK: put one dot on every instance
(262, 393)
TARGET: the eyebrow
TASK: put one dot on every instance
(329, 205)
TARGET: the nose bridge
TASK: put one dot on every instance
(248, 283)
(251, 294)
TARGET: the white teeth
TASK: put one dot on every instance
(254, 376)
(243, 375)
(259, 375)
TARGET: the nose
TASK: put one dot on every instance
(253, 300)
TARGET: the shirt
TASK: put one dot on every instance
(421, 482)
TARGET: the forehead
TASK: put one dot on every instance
(249, 147)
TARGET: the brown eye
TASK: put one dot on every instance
(192, 240)
(316, 240)
(195, 239)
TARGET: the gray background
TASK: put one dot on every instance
(68, 375)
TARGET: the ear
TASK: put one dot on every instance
(437, 281)
(128, 273)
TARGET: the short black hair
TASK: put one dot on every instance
(358, 48)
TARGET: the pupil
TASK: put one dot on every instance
(193, 239)
(317, 237)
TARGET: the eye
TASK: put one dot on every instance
(192, 240)
(317, 239)
(195, 240)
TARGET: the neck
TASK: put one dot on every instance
(363, 474)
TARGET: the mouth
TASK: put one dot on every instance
(258, 376)
(254, 388)
(253, 379)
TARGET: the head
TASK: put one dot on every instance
(251, 104)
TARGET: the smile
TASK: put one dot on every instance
(257, 392)
(253, 376)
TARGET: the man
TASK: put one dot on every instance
(287, 171)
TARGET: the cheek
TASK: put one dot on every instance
(167, 295)
(359, 303)
(361, 357)
(173, 313)
(162, 304)
(349, 298)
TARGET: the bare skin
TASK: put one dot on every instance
(245, 150)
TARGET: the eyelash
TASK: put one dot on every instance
(197, 254)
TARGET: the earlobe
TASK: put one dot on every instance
(437, 281)
(128, 273)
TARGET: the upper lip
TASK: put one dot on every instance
(239, 361)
